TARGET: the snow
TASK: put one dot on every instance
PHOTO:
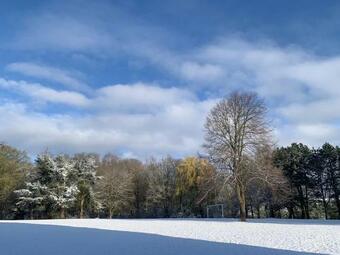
(171, 236)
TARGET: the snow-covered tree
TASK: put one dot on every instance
(85, 171)
(31, 198)
(62, 197)
(57, 175)
(66, 182)
(46, 167)
(36, 191)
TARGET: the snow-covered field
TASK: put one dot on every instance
(174, 236)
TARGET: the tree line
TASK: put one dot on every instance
(86, 185)
(314, 180)
(241, 168)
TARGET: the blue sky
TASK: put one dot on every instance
(137, 78)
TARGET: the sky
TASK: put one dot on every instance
(137, 78)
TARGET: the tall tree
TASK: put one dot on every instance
(161, 187)
(235, 128)
(294, 160)
(14, 165)
(85, 171)
(336, 182)
(51, 185)
(31, 198)
(116, 187)
(62, 189)
(194, 185)
(140, 185)
(322, 161)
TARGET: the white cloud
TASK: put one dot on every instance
(171, 122)
(289, 74)
(301, 88)
(202, 72)
(141, 97)
(323, 110)
(48, 73)
(312, 134)
(320, 74)
(45, 94)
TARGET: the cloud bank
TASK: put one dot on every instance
(43, 104)
(138, 119)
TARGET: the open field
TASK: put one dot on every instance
(173, 236)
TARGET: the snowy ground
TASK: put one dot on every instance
(166, 237)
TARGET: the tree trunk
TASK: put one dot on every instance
(335, 189)
(337, 201)
(325, 209)
(271, 211)
(31, 214)
(110, 213)
(242, 200)
(166, 212)
(258, 212)
(290, 209)
(62, 213)
(307, 203)
(324, 202)
(81, 215)
(302, 202)
(252, 211)
(325, 206)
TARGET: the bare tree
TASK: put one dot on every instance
(116, 187)
(235, 129)
(117, 192)
(161, 186)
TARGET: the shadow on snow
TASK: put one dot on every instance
(29, 239)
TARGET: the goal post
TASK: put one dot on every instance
(215, 209)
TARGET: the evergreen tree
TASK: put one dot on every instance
(86, 177)
(322, 163)
(62, 189)
(294, 161)
(31, 198)
(51, 186)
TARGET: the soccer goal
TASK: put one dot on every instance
(215, 211)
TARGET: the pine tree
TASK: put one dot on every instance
(294, 162)
(31, 198)
(62, 189)
(85, 170)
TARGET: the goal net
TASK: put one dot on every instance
(215, 211)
